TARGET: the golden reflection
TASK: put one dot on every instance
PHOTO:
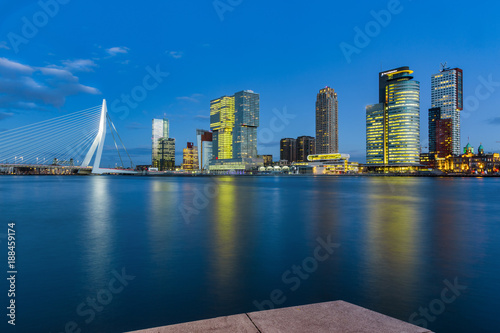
(225, 231)
(393, 218)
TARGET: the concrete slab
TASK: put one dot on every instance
(331, 317)
(238, 324)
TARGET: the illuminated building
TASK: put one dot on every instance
(166, 155)
(288, 150)
(190, 157)
(328, 164)
(327, 136)
(160, 130)
(469, 162)
(306, 145)
(268, 159)
(393, 125)
(222, 125)
(246, 121)
(447, 102)
(205, 145)
(234, 121)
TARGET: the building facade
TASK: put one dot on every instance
(166, 155)
(327, 136)
(190, 157)
(246, 121)
(288, 150)
(205, 146)
(393, 124)
(447, 102)
(222, 126)
(306, 145)
(160, 130)
(234, 121)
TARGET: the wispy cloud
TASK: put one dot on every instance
(80, 65)
(175, 54)
(5, 115)
(201, 117)
(494, 121)
(3, 45)
(193, 98)
(113, 51)
(29, 87)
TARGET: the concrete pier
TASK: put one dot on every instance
(331, 317)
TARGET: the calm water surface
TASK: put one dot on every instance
(195, 256)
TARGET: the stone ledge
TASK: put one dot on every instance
(331, 317)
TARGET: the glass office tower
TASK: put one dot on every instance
(447, 102)
(246, 121)
(222, 125)
(160, 130)
(393, 125)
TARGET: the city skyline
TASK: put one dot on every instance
(288, 78)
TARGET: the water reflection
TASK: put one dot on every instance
(393, 226)
(99, 207)
(224, 224)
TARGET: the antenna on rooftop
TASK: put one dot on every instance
(444, 66)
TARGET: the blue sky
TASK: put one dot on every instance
(84, 51)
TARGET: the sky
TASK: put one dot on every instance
(172, 57)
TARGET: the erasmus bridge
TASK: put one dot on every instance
(72, 143)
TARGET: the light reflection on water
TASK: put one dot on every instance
(400, 238)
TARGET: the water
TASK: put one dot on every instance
(190, 256)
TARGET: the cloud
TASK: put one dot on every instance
(5, 115)
(79, 65)
(200, 116)
(175, 54)
(494, 121)
(25, 87)
(117, 50)
(193, 98)
(3, 45)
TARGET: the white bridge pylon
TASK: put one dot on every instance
(98, 145)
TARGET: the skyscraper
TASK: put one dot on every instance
(166, 155)
(222, 125)
(327, 135)
(306, 145)
(205, 145)
(288, 150)
(393, 125)
(246, 121)
(160, 130)
(234, 121)
(447, 102)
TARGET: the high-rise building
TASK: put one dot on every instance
(306, 145)
(190, 157)
(166, 155)
(234, 121)
(393, 125)
(160, 131)
(288, 150)
(327, 135)
(246, 121)
(447, 102)
(222, 125)
(205, 146)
